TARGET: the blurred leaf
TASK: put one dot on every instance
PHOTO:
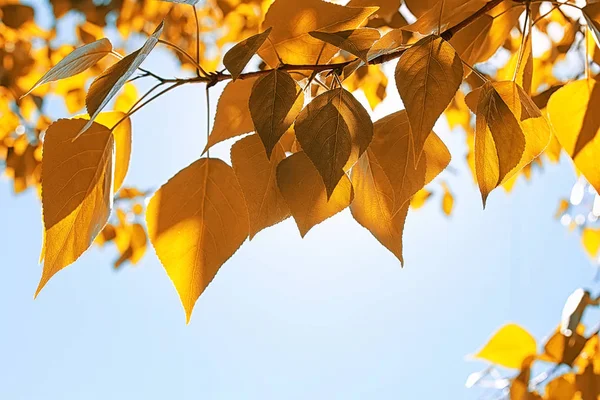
(509, 347)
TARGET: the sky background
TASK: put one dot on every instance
(333, 316)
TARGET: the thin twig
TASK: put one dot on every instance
(198, 67)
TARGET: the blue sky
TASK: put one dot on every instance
(333, 316)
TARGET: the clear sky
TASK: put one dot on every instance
(333, 316)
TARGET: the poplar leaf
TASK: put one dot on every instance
(420, 7)
(257, 175)
(355, 41)
(447, 201)
(591, 13)
(232, 117)
(468, 42)
(196, 222)
(236, 59)
(334, 130)
(505, 15)
(106, 86)
(292, 40)
(428, 76)
(303, 190)
(389, 42)
(75, 62)
(572, 110)
(275, 102)
(387, 8)
(444, 14)
(510, 133)
(77, 191)
(189, 2)
(385, 179)
(508, 347)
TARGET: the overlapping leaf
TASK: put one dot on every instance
(236, 59)
(275, 102)
(304, 191)
(508, 347)
(355, 41)
(196, 221)
(76, 62)
(427, 76)
(444, 14)
(77, 189)
(257, 175)
(334, 130)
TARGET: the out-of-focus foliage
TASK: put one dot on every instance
(516, 79)
(567, 364)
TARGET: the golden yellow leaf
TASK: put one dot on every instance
(393, 40)
(420, 7)
(127, 98)
(131, 242)
(232, 117)
(588, 383)
(591, 241)
(447, 201)
(304, 191)
(420, 198)
(591, 13)
(275, 102)
(77, 189)
(468, 42)
(510, 133)
(427, 76)
(505, 15)
(560, 349)
(561, 388)
(334, 130)
(108, 84)
(572, 112)
(76, 62)
(444, 14)
(291, 39)
(237, 57)
(122, 138)
(509, 347)
(387, 8)
(257, 175)
(356, 41)
(196, 221)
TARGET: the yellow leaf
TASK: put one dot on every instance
(122, 138)
(196, 221)
(275, 102)
(468, 42)
(510, 133)
(427, 76)
(291, 39)
(572, 112)
(447, 201)
(233, 116)
(126, 99)
(445, 14)
(304, 191)
(391, 41)
(420, 7)
(235, 60)
(505, 15)
(334, 130)
(355, 41)
(561, 388)
(257, 175)
(76, 62)
(77, 188)
(591, 241)
(591, 13)
(508, 347)
(560, 349)
(106, 86)
(387, 8)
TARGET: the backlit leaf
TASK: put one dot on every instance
(447, 201)
(196, 221)
(591, 241)
(106, 86)
(76, 62)
(508, 347)
(257, 175)
(591, 13)
(573, 113)
(77, 191)
(237, 57)
(232, 117)
(427, 76)
(334, 130)
(291, 39)
(305, 194)
(275, 102)
(446, 12)
(356, 41)
(468, 42)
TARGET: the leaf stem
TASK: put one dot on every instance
(185, 54)
(198, 67)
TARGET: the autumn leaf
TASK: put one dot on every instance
(236, 59)
(232, 117)
(387, 8)
(591, 13)
(447, 201)
(106, 86)
(304, 191)
(292, 40)
(508, 347)
(510, 133)
(76, 62)
(572, 112)
(427, 76)
(257, 175)
(468, 42)
(590, 238)
(444, 14)
(196, 221)
(275, 102)
(355, 41)
(334, 130)
(420, 198)
(77, 188)
(391, 41)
